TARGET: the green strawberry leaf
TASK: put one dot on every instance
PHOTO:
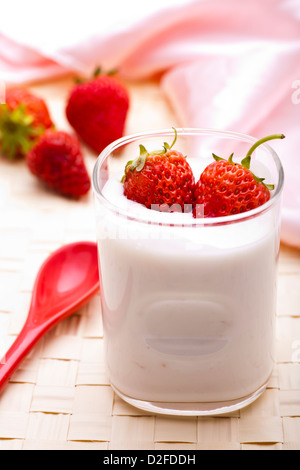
(17, 133)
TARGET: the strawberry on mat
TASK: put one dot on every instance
(97, 110)
(23, 118)
(58, 162)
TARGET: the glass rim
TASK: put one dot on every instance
(188, 131)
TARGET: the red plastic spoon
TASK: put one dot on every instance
(65, 282)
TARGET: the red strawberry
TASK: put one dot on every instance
(23, 118)
(97, 110)
(160, 180)
(227, 188)
(57, 160)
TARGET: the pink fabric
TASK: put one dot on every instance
(226, 64)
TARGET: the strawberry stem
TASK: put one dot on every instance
(141, 160)
(261, 141)
(246, 161)
(166, 145)
(97, 72)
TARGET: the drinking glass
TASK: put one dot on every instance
(188, 304)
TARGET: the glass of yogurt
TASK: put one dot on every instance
(188, 304)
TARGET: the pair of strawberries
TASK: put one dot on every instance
(96, 110)
(164, 180)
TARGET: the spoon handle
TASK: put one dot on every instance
(20, 348)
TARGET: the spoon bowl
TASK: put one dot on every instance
(67, 279)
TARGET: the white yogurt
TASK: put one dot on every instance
(188, 311)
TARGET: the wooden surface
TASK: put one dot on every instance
(60, 397)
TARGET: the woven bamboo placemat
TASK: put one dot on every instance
(60, 397)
